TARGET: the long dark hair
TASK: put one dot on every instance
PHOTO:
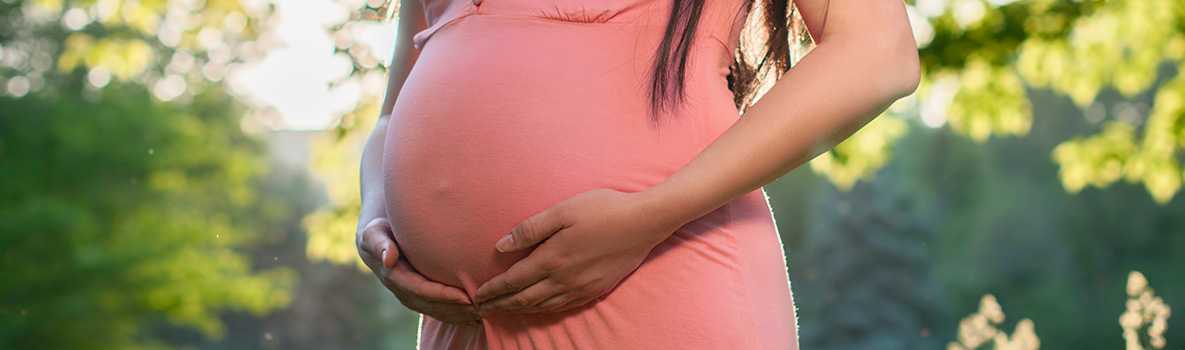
(744, 77)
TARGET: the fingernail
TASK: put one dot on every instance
(384, 256)
(504, 244)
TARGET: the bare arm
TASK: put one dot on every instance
(411, 20)
(865, 58)
(375, 236)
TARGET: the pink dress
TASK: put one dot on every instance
(515, 105)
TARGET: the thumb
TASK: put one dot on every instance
(379, 241)
(532, 231)
(390, 254)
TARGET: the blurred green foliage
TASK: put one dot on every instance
(129, 187)
(332, 228)
(999, 51)
(123, 211)
(862, 154)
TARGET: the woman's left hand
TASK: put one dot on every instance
(587, 244)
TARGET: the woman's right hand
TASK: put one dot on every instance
(376, 246)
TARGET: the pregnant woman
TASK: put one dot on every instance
(568, 174)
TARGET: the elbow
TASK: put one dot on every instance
(906, 66)
(893, 63)
(902, 70)
(909, 73)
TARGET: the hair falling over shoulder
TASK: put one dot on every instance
(772, 28)
(762, 54)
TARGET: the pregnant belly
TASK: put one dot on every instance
(487, 132)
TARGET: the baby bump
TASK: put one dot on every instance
(459, 177)
(456, 184)
(487, 132)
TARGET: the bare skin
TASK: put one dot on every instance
(864, 60)
(374, 238)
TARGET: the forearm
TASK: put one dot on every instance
(373, 202)
(830, 94)
(373, 197)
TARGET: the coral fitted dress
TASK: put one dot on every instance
(515, 105)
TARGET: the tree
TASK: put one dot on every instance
(862, 272)
(129, 185)
(1079, 50)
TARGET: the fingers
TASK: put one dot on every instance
(520, 275)
(533, 230)
(390, 254)
(402, 276)
(524, 300)
(442, 302)
(378, 242)
(416, 292)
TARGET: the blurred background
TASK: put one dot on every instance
(183, 174)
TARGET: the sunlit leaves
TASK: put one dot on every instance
(1098, 160)
(336, 155)
(331, 234)
(145, 208)
(128, 40)
(1078, 52)
(862, 154)
(990, 101)
(198, 273)
(1120, 45)
(366, 59)
(335, 163)
(124, 58)
(1116, 152)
